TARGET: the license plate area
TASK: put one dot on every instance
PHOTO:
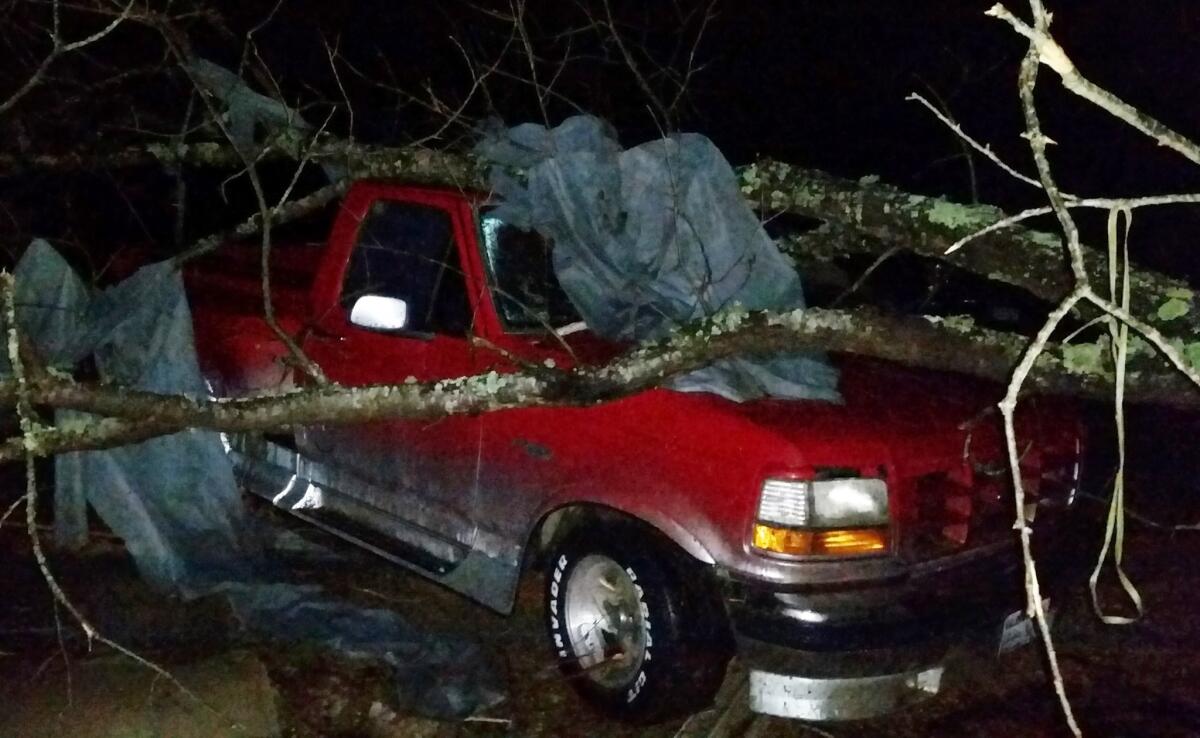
(1019, 630)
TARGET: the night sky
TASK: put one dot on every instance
(817, 83)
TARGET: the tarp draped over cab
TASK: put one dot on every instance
(651, 238)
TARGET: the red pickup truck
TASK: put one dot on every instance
(841, 549)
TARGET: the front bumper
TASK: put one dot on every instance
(935, 602)
(841, 653)
(845, 698)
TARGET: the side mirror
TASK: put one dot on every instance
(380, 313)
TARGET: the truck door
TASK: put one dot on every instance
(403, 312)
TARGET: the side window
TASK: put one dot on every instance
(407, 251)
(527, 291)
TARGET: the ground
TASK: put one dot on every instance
(1124, 681)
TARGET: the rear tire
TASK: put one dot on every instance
(637, 625)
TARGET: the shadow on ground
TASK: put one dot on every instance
(1131, 681)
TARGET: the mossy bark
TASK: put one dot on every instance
(860, 217)
(884, 216)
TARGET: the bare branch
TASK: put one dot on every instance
(1053, 56)
(952, 345)
(1103, 203)
(981, 148)
(265, 214)
(59, 47)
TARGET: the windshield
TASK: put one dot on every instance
(528, 296)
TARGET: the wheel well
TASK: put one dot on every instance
(555, 525)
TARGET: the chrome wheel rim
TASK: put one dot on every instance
(605, 622)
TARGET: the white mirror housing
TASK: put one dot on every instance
(380, 313)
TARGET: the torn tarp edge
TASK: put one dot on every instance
(174, 500)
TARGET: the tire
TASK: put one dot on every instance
(662, 641)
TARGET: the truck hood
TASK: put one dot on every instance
(937, 438)
(913, 420)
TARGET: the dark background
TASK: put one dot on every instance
(820, 84)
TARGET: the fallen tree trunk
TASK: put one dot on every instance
(873, 217)
(869, 216)
(412, 163)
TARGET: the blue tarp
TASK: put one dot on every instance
(651, 238)
(174, 501)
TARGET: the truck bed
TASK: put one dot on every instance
(225, 292)
(230, 279)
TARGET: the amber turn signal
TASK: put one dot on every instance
(835, 542)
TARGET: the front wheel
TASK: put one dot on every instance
(636, 624)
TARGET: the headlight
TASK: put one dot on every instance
(824, 517)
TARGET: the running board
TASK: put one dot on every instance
(487, 573)
(276, 477)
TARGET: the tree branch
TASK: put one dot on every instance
(1053, 56)
(929, 226)
(950, 345)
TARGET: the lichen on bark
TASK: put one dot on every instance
(1032, 260)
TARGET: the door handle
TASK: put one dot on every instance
(534, 450)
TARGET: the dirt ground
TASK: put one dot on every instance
(1141, 680)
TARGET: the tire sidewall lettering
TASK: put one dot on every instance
(560, 567)
(640, 680)
(562, 644)
(561, 640)
(636, 689)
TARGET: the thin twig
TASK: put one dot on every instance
(11, 509)
(58, 49)
(266, 212)
(1102, 203)
(1037, 143)
(1047, 51)
(651, 98)
(862, 278)
(1144, 519)
(1034, 605)
(981, 148)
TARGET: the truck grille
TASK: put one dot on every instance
(947, 517)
